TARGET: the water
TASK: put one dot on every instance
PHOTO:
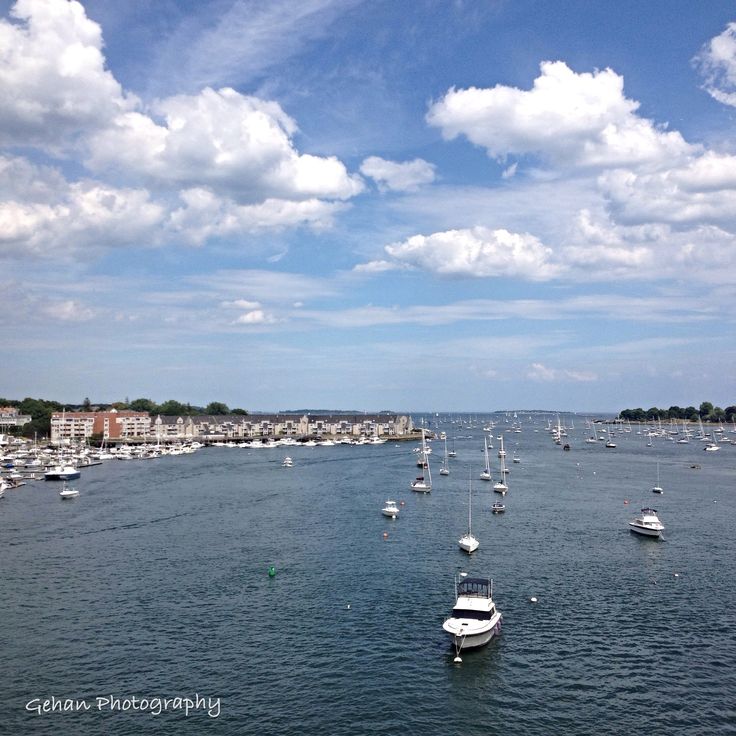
(154, 583)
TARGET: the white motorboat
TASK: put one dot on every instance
(390, 509)
(497, 507)
(62, 472)
(712, 447)
(475, 619)
(68, 492)
(468, 543)
(422, 484)
(288, 462)
(647, 523)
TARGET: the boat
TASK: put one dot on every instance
(486, 473)
(420, 483)
(445, 469)
(647, 523)
(62, 472)
(516, 458)
(475, 619)
(501, 486)
(452, 452)
(468, 542)
(390, 509)
(497, 507)
(712, 447)
(610, 443)
(658, 488)
(288, 462)
(68, 492)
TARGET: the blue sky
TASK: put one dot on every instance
(461, 206)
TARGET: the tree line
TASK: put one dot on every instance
(40, 411)
(706, 413)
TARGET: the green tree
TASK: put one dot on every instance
(705, 409)
(216, 408)
(86, 404)
(172, 408)
(239, 412)
(730, 413)
(691, 413)
(144, 405)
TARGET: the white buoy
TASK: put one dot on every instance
(533, 599)
(348, 606)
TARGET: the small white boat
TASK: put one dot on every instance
(390, 509)
(421, 484)
(468, 542)
(516, 458)
(486, 473)
(445, 469)
(712, 448)
(647, 523)
(67, 492)
(497, 507)
(657, 488)
(474, 620)
(288, 462)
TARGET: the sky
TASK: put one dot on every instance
(446, 205)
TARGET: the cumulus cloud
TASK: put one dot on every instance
(477, 252)
(568, 119)
(717, 64)
(204, 215)
(402, 177)
(60, 218)
(225, 140)
(54, 84)
(255, 317)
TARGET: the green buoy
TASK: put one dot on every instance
(271, 571)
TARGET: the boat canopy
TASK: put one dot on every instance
(475, 586)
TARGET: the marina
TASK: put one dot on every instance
(169, 567)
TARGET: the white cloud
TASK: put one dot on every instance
(68, 311)
(402, 177)
(477, 252)
(204, 215)
(229, 142)
(717, 64)
(41, 214)
(255, 317)
(53, 82)
(568, 119)
(542, 373)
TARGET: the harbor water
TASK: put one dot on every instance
(154, 583)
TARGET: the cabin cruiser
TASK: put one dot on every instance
(421, 484)
(474, 620)
(390, 509)
(647, 523)
(287, 463)
(62, 472)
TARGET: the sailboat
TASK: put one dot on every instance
(420, 483)
(468, 542)
(657, 488)
(445, 469)
(452, 452)
(500, 485)
(486, 474)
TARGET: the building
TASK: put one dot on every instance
(80, 426)
(10, 417)
(261, 426)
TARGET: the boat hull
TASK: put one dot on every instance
(645, 531)
(62, 475)
(476, 639)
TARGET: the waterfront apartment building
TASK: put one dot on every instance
(79, 426)
(261, 426)
(140, 426)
